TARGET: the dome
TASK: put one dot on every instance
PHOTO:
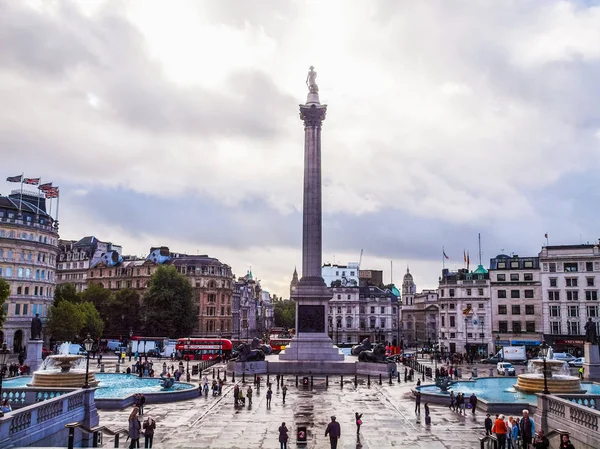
(408, 277)
(480, 270)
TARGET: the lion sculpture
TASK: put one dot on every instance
(377, 355)
(247, 354)
(364, 345)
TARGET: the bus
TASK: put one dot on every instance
(279, 338)
(203, 348)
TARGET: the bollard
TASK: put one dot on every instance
(398, 377)
(355, 380)
(326, 381)
(311, 381)
(268, 378)
(219, 373)
(102, 367)
(71, 440)
(117, 440)
(244, 377)
(390, 378)
(233, 376)
(368, 380)
(296, 380)
(118, 369)
(423, 375)
(224, 376)
(213, 373)
(342, 381)
(255, 379)
(379, 378)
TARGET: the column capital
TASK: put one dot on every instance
(313, 115)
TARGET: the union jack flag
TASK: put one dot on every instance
(31, 181)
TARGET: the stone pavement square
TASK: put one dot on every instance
(388, 419)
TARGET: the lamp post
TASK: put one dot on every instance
(544, 351)
(189, 343)
(129, 345)
(87, 343)
(466, 337)
(4, 353)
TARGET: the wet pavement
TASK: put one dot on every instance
(388, 418)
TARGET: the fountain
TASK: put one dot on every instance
(63, 370)
(558, 377)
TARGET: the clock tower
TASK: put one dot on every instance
(294, 283)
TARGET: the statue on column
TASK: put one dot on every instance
(591, 335)
(36, 327)
(311, 81)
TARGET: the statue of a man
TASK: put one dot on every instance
(591, 336)
(311, 80)
(36, 327)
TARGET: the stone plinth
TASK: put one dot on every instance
(248, 367)
(591, 367)
(384, 369)
(34, 354)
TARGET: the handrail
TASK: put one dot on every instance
(94, 432)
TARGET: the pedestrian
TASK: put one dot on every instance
(473, 402)
(514, 434)
(500, 430)
(6, 408)
(236, 394)
(241, 397)
(283, 436)
(269, 396)
(453, 401)
(541, 441)
(427, 416)
(149, 426)
(565, 443)
(357, 417)
(418, 382)
(488, 424)
(284, 392)
(249, 395)
(418, 402)
(205, 388)
(526, 429)
(581, 373)
(334, 431)
(134, 428)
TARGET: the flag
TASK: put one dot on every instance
(15, 178)
(468, 260)
(465, 256)
(467, 310)
(52, 192)
(445, 255)
(546, 235)
(31, 181)
(45, 187)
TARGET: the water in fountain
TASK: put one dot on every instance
(558, 377)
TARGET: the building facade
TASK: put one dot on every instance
(516, 302)
(28, 253)
(344, 316)
(342, 275)
(570, 277)
(247, 292)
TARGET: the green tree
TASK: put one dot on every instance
(93, 323)
(168, 304)
(65, 321)
(100, 297)
(124, 313)
(285, 314)
(4, 294)
(66, 292)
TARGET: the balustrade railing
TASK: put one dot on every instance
(570, 413)
(22, 397)
(587, 400)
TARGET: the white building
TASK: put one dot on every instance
(570, 276)
(346, 274)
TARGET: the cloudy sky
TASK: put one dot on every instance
(176, 123)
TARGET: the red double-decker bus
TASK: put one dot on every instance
(203, 348)
(279, 338)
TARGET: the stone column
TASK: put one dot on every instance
(34, 354)
(591, 367)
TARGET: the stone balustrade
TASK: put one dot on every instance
(587, 400)
(42, 422)
(22, 397)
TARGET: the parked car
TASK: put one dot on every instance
(578, 363)
(506, 369)
(491, 360)
(564, 357)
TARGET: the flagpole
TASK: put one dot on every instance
(21, 195)
(38, 201)
(57, 205)
(443, 258)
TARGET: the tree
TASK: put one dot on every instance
(93, 323)
(100, 297)
(285, 314)
(65, 321)
(124, 313)
(4, 294)
(66, 292)
(168, 304)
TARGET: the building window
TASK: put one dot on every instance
(590, 282)
(570, 267)
(502, 310)
(528, 293)
(573, 327)
(529, 310)
(382, 323)
(589, 266)
(592, 311)
(515, 294)
(553, 295)
(452, 321)
(25, 309)
(571, 282)
(501, 293)
(528, 264)
(18, 309)
(514, 276)
(554, 311)
(451, 292)
(553, 282)
(514, 264)
(339, 309)
(516, 327)
(555, 327)
(573, 311)
(480, 305)
(530, 326)
(552, 267)
(383, 310)
(372, 309)
(591, 295)
(528, 277)
(501, 278)
(452, 306)
(443, 321)
(572, 295)
(503, 326)
(480, 292)
(516, 310)
(468, 292)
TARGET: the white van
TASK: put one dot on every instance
(564, 357)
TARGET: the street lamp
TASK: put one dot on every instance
(4, 353)
(87, 343)
(129, 344)
(189, 343)
(544, 351)
(466, 337)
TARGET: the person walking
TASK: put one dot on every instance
(334, 431)
(284, 392)
(427, 416)
(134, 428)
(526, 429)
(269, 396)
(149, 426)
(565, 443)
(283, 436)
(541, 441)
(357, 418)
(249, 395)
(473, 402)
(418, 402)
(514, 434)
(236, 394)
(581, 370)
(452, 405)
(488, 424)
(500, 430)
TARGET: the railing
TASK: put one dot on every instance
(488, 442)
(22, 397)
(586, 400)
(95, 432)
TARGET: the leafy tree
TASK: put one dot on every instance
(285, 314)
(93, 323)
(124, 313)
(66, 292)
(4, 294)
(168, 303)
(100, 297)
(65, 321)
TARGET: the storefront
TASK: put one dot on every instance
(573, 344)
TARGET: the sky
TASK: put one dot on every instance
(176, 123)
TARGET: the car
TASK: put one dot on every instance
(505, 369)
(577, 363)
(491, 360)
(564, 357)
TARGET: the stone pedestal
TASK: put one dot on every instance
(34, 354)
(258, 367)
(592, 362)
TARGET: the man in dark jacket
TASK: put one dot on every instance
(334, 431)
(488, 424)
(473, 402)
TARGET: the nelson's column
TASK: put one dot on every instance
(312, 343)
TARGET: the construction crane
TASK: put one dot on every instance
(360, 258)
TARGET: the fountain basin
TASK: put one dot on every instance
(558, 378)
(54, 379)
